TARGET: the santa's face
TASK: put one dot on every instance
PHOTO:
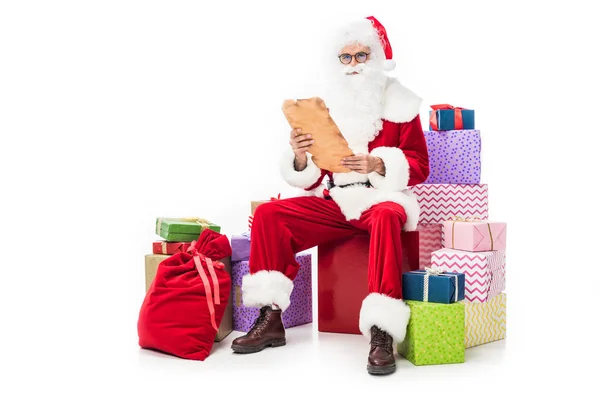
(353, 54)
(355, 93)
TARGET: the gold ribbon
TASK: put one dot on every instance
(199, 221)
(164, 247)
(456, 219)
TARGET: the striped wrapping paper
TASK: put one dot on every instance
(441, 202)
(430, 240)
(485, 322)
(485, 271)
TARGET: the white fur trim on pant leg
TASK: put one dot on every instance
(397, 170)
(300, 179)
(265, 288)
(390, 315)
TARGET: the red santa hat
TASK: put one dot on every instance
(388, 64)
(370, 32)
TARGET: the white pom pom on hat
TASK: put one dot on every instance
(389, 65)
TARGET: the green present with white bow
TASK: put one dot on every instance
(183, 229)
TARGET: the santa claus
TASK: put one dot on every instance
(380, 120)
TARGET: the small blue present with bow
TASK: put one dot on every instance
(433, 285)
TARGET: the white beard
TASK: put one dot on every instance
(356, 103)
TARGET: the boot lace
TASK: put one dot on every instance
(261, 321)
(380, 338)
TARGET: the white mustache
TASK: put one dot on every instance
(360, 68)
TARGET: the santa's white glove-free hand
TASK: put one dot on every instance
(364, 164)
(300, 144)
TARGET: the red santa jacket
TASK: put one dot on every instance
(400, 144)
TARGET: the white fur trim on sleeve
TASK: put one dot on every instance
(300, 179)
(389, 314)
(397, 170)
(266, 288)
(400, 104)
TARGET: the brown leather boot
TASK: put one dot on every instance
(267, 331)
(381, 356)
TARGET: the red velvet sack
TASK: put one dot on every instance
(184, 306)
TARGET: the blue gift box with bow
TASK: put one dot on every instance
(433, 285)
(446, 120)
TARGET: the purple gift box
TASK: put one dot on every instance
(454, 156)
(298, 313)
(240, 247)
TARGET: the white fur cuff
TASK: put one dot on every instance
(390, 315)
(265, 288)
(401, 104)
(300, 179)
(397, 170)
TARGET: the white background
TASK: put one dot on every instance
(115, 112)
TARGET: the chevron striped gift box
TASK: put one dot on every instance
(485, 322)
(484, 271)
(430, 240)
(441, 202)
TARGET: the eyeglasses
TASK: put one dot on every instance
(360, 57)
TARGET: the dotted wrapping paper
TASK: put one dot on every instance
(454, 156)
(435, 334)
(298, 313)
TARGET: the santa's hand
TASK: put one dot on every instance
(300, 144)
(364, 164)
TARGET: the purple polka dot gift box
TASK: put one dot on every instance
(454, 156)
(240, 247)
(298, 313)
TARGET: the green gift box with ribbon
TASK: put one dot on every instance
(183, 229)
(435, 334)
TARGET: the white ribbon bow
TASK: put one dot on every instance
(434, 271)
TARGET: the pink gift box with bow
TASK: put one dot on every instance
(472, 235)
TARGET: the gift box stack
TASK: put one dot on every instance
(178, 234)
(456, 298)
(300, 310)
(453, 187)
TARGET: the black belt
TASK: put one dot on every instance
(331, 185)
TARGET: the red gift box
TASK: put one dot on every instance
(163, 247)
(342, 279)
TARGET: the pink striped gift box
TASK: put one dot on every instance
(485, 271)
(430, 240)
(441, 202)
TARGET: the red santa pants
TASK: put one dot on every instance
(282, 228)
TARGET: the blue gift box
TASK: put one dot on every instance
(445, 120)
(440, 287)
